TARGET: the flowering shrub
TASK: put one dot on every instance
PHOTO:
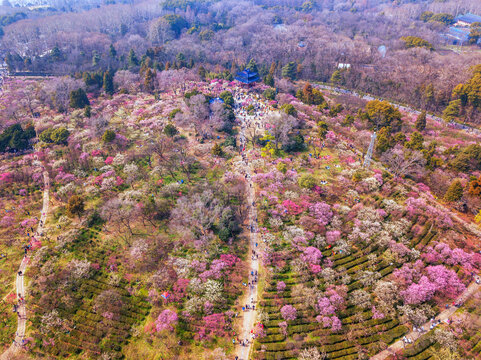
(6, 177)
(420, 207)
(322, 212)
(312, 255)
(438, 279)
(291, 208)
(166, 320)
(289, 312)
(333, 236)
(212, 325)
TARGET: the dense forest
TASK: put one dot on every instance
(223, 36)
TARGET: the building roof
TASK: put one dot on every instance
(469, 18)
(247, 76)
(458, 33)
(216, 100)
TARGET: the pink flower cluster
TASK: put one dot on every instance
(166, 320)
(422, 284)
(312, 255)
(420, 207)
(441, 253)
(321, 212)
(212, 325)
(291, 208)
(332, 321)
(289, 312)
(64, 177)
(6, 178)
(281, 286)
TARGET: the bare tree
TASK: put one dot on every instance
(198, 212)
(281, 126)
(120, 213)
(404, 163)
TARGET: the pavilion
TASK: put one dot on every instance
(247, 77)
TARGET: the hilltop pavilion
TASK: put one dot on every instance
(247, 77)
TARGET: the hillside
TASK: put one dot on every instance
(169, 214)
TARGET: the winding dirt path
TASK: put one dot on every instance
(20, 284)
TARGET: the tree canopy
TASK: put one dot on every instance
(383, 114)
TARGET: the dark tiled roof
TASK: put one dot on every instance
(469, 18)
(247, 76)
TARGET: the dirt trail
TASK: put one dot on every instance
(20, 285)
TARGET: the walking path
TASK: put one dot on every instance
(20, 286)
(249, 319)
(249, 315)
(416, 334)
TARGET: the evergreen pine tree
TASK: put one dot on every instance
(108, 83)
(112, 51)
(252, 66)
(289, 71)
(420, 124)
(78, 99)
(454, 192)
(269, 80)
(56, 53)
(132, 59)
(149, 80)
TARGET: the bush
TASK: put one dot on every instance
(454, 192)
(289, 109)
(16, 138)
(414, 41)
(57, 136)
(170, 130)
(270, 94)
(227, 97)
(173, 113)
(108, 136)
(78, 99)
(75, 206)
(307, 181)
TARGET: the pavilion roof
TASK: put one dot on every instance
(247, 76)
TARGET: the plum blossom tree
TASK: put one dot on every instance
(333, 236)
(281, 125)
(312, 354)
(281, 286)
(121, 213)
(336, 324)
(312, 255)
(321, 212)
(213, 325)
(288, 312)
(439, 280)
(283, 327)
(166, 320)
(259, 330)
(360, 298)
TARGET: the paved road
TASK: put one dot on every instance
(405, 108)
(20, 285)
(414, 335)
(249, 317)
